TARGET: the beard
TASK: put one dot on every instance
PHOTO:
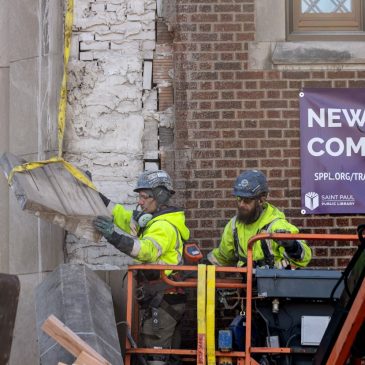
(249, 216)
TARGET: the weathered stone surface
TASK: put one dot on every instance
(52, 193)
(83, 302)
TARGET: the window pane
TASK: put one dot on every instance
(326, 6)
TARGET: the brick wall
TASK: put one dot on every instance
(230, 118)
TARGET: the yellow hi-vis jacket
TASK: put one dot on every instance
(161, 241)
(270, 220)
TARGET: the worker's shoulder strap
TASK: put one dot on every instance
(236, 242)
(269, 259)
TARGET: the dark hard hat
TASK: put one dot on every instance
(154, 179)
(250, 184)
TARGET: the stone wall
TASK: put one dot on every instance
(30, 69)
(112, 116)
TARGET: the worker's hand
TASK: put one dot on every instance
(287, 244)
(104, 225)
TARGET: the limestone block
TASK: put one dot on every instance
(147, 75)
(4, 226)
(51, 69)
(135, 7)
(148, 45)
(23, 240)
(113, 132)
(51, 243)
(4, 33)
(145, 35)
(98, 7)
(127, 28)
(97, 257)
(52, 193)
(52, 27)
(86, 36)
(93, 45)
(270, 20)
(4, 190)
(86, 56)
(112, 7)
(24, 29)
(23, 112)
(259, 55)
(150, 100)
(127, 47)
(150, 139)
(83, 302)
(25, 349)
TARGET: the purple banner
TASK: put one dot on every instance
(332, 138)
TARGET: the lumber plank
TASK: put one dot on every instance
(53, 194)
(69, 340)
(86, 359)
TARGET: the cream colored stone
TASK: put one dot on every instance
(270, 20)
(4, 188)
(23, 112)
(4, 33)
(23, 240)
(24, 347)
(23, 29)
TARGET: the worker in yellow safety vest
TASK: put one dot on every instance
(255, 215)
(154, 233)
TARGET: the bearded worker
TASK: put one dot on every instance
(255, 215)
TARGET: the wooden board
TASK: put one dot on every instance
(53, 194)
(71, 342)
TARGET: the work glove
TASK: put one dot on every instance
(292, 247)
(104, 225)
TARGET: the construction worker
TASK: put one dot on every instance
(255, 215)
(153, 234)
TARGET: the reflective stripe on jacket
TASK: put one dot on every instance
(225, 254)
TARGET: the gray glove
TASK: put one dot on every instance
(104, 225)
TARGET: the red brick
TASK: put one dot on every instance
(199, 18)
(204, 37)
(229, 8)
(227, 66)
(228, 27)
(341, 74)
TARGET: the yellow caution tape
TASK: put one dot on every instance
(211, 315)
(63, 93)
(201, 300)
(77, 174)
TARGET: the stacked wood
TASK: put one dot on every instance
(52, 193)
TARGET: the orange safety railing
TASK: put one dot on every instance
(243, 358)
